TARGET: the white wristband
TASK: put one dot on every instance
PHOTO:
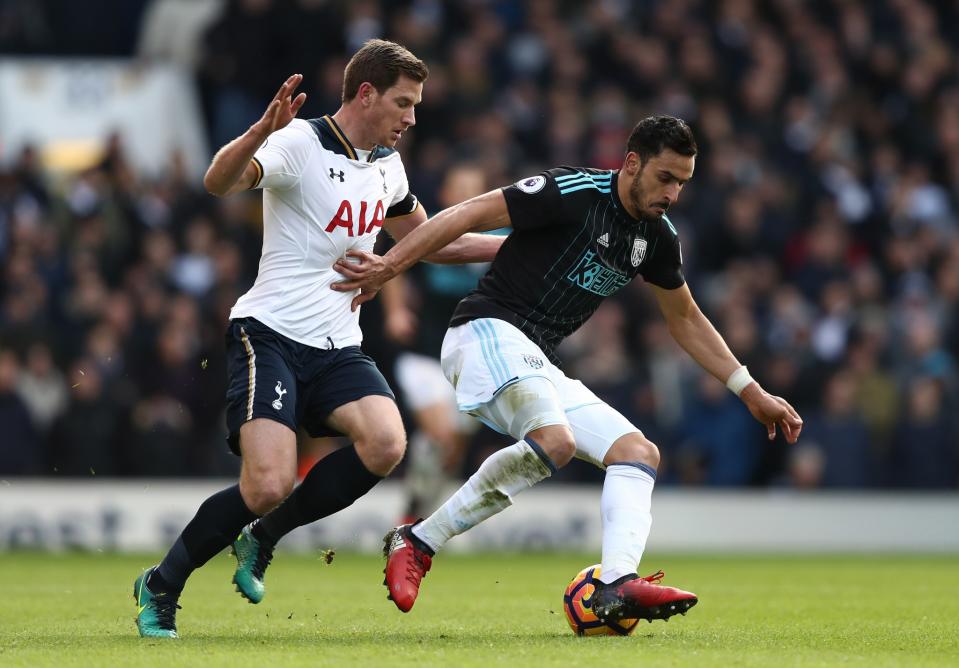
(738, 380)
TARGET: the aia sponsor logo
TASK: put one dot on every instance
(344, 218)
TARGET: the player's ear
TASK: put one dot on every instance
(367, 93)
(632, 163)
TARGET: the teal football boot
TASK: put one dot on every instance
(252, 558)
(156, 613)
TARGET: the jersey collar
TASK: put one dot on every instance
(334, 139)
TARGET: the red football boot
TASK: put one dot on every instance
(406, 565)
(633, 597)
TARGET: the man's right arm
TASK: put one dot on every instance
(232, 168)
(480, 214)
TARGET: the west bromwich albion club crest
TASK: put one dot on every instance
(639, 251)
(533, 361)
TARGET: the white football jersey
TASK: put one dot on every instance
(319, 200)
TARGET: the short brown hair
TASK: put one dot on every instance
(381, 63)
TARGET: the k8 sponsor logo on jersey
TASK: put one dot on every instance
(592, 275)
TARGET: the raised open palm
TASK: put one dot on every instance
(284, 107)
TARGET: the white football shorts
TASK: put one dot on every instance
(422, 384)
(506, 381)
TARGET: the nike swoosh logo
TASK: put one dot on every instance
(140, 608)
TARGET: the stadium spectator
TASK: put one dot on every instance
(20, 452)
(925, 453)
(88, 438)
(717, 445)
(42, 387)
(842, 436)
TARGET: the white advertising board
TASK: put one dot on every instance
(71, 106)
(147, 515)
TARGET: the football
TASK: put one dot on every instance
(578, 607)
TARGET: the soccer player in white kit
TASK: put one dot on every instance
(579, 235)
(293, 357)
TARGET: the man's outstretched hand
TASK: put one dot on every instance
(772, 411)
(362, 271)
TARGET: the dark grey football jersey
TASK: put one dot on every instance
(573, 244)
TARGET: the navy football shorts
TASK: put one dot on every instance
(271, 376)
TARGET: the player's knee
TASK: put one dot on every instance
(557, 443)
(267, 492)
(633, 448)
(648, 453)
(381, 452)
(564, 452)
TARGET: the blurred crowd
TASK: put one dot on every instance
(820, 231)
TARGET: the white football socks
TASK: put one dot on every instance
(625, 507)
(491, 489)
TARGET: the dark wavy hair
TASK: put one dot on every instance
(655, 133)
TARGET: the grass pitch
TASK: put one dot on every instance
(488, 610)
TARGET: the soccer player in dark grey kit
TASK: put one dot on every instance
(579, 235)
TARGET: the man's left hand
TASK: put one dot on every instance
(363, 271)
(771, 411)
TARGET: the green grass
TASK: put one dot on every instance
(488, 610)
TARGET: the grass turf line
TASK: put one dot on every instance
(486, 610)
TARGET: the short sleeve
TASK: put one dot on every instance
(535, 202)
(665, 267)
(283, 157)
(404, 207)
(404, 202)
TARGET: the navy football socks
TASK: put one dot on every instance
(215, 525)
(334, 483)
